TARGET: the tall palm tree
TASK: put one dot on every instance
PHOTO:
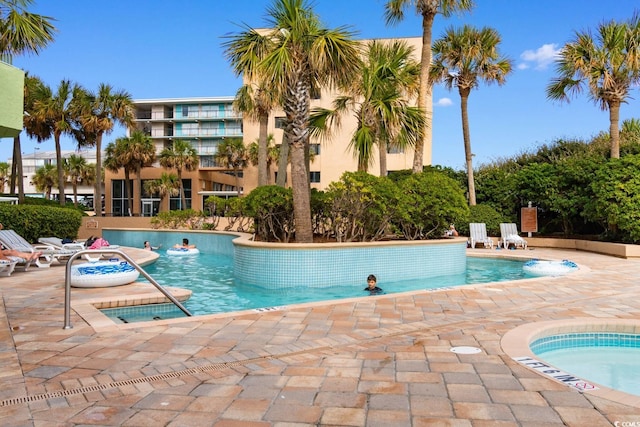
(118, 156)
(273, 153)
(428, 9)
(607, 64)
(4, 175)
(53, 111)
(45, 179)
(167, 185)
(77, 172)
(96, 114)
(296, 56)
(22, 31)
(232, 154)
(142, 155)
(379, 98)
(256, 102)
(180, 156)
(462, 58)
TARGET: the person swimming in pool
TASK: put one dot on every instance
(372, 286)
(185, 245)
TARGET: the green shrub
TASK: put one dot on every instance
(485, 214)
(35, 221)
(271, 208)
(427, 203)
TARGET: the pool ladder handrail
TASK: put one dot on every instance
(67, 281)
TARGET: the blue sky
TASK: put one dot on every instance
(168, 49)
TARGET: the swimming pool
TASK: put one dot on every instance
(215, 290)
(607, 358)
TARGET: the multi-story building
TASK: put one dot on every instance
(205, 123)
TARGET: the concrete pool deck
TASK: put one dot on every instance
(380, 360)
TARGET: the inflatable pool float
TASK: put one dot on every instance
(103, 274)
(183, 251)
(538, 267)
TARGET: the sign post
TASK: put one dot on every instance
(529, 220)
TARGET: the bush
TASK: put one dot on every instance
(35, 221)
(271, 208)
(427, 203)
(485, 214)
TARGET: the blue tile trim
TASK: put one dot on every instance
(588, 339)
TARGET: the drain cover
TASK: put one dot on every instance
(465, 350)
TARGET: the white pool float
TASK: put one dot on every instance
(103, 274)
(538, 267)
(182, 251)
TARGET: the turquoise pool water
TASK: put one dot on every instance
(210, 278)
(609, 359)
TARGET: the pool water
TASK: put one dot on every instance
(214, 289)
(609, 359)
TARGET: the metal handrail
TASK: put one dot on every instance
(67, 281)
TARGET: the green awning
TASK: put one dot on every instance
(11, 100)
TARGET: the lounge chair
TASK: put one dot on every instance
(478, 235)
(12, 240)
(56, 242)
(510, 236)
(8, 265)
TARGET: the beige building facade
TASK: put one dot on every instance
(205, 123)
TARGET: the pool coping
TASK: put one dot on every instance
(515, 343)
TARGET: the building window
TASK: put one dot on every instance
(394, 149)
(119, 199)
(314, 177)
(314, 149)
(175, 202)
(281, 122)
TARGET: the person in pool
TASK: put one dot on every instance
(372, 285)
(185, 245)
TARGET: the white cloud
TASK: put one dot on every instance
(444, 102)
(541, 57)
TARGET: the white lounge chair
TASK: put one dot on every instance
(8, 265)
(12, 240)
(478, 235)
(510, 236)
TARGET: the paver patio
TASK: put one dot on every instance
(374, 361)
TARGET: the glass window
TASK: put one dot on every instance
(314, 177)
(281, 122)
(314, 149)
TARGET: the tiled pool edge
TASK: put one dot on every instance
(515, 344)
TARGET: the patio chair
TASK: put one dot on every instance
(510, 236)
(8, 265)
(12, 240)
(478, 235)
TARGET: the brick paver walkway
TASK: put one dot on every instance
(375, 361)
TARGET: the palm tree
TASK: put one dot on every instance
(256, 102)
(167, 185)
(22, 31)
(77, 171)
(53, 112)
(4, 175)
(142, 155)
(232, 154)
(45, 179)
(118, 156)
(428, 9)
(96, 114)
(273, 153)
(607, 64)
(297, 56)
(180, 156)
(461, 59)
(379, 98)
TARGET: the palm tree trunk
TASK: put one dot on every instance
(262, 151)
(17, 160)
(614, 128)
(301, 195)
(60, 169)
(97, 198)
(382, 147)
(468, 155)
(127, 188)
(283, 161)
(137, 189)
(424, 96)
(183, 199)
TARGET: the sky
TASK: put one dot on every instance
(169, 49)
